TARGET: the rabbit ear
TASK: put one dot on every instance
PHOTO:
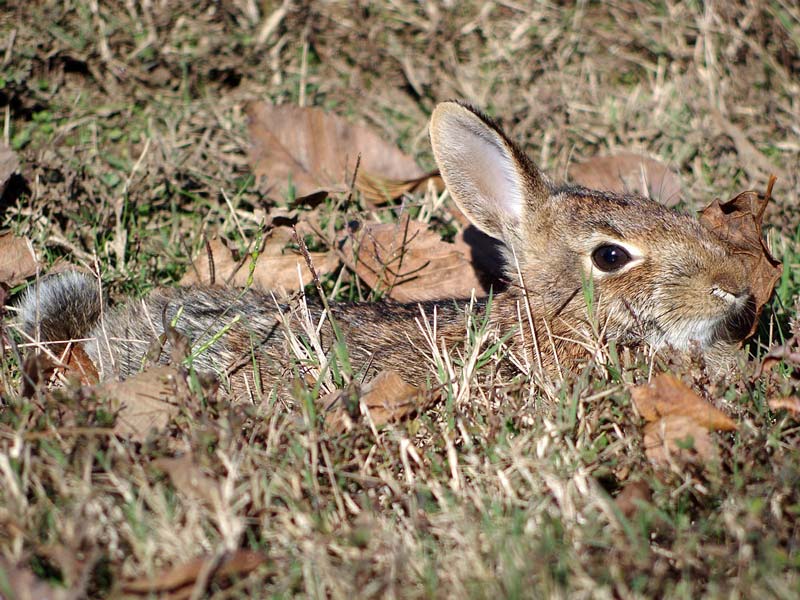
(490, 178)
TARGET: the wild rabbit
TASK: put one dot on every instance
(657, 278)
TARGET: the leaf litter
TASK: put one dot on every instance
(17, 259)
(274, 267)
(739, 222)
(678, 420)
(386, 398)
(627, 172)
(410, 263)
(305, 150)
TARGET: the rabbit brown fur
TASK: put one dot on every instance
(657, 277)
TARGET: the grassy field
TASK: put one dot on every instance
(128, 119)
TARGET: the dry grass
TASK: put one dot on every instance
(128, 118)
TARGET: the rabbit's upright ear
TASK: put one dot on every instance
(488, 176)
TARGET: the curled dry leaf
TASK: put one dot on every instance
(632, 494)
(789, 352)
(666, 395)
(378, 189)
(17, 259)
(629, 172)
(675, 415)
(274, 269)
(739, 222)
(314, 150)
(791, 404)
(9, 163)
(145, 401)
(25, 585)
(179, 581)
(411, 263)
(678, 438)
(387, 397)
(189, 479)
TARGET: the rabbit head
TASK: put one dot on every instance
(656, 276)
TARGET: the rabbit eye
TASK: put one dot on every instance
(610, 257)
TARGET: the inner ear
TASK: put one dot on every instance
(489, 177)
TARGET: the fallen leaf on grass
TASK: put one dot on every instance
(178, 582)
(410, 263)
(313, 150)
(666, 395)
(188, 478)
(387, 398)
(632, 494)
(17, 259)
(78, 363)
(788, 352)
(739, 222)
(678, 437)
(9, 163)
(274, 269)
(378, 189)
(145, 401)
(629, 172)
(678, 421)
(21, 584)
(791, 404)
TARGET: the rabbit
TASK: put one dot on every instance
(656, 278)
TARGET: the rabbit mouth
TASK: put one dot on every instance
(732, 326)
(737, 323)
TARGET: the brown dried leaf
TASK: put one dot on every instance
(678, 438)
(633, 493)
(316, 151)
(738, 221)
(275, 268)
(629, 172)
(24, 585)
(668, 396)
(410, 263)
(78, 363)
(789, 352)
(189, 479)
(178, 581)
(145, 401)
(791, 404)
(9, 163)
(387, 398)
(17, 259)
(378, 189)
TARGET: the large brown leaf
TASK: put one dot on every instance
(145, 401)
(9, 163)
(629, 172)
(316, 150)
(178, 582)
(275, 268)
(738, 221)
(411, 263)
(387, 397)
(678, 421)
(17, 259)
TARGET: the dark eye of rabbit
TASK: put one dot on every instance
(610, 257)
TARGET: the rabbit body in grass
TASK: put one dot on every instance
(657, 277)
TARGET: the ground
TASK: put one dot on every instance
(128, 119)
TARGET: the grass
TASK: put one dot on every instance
(128, 119)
